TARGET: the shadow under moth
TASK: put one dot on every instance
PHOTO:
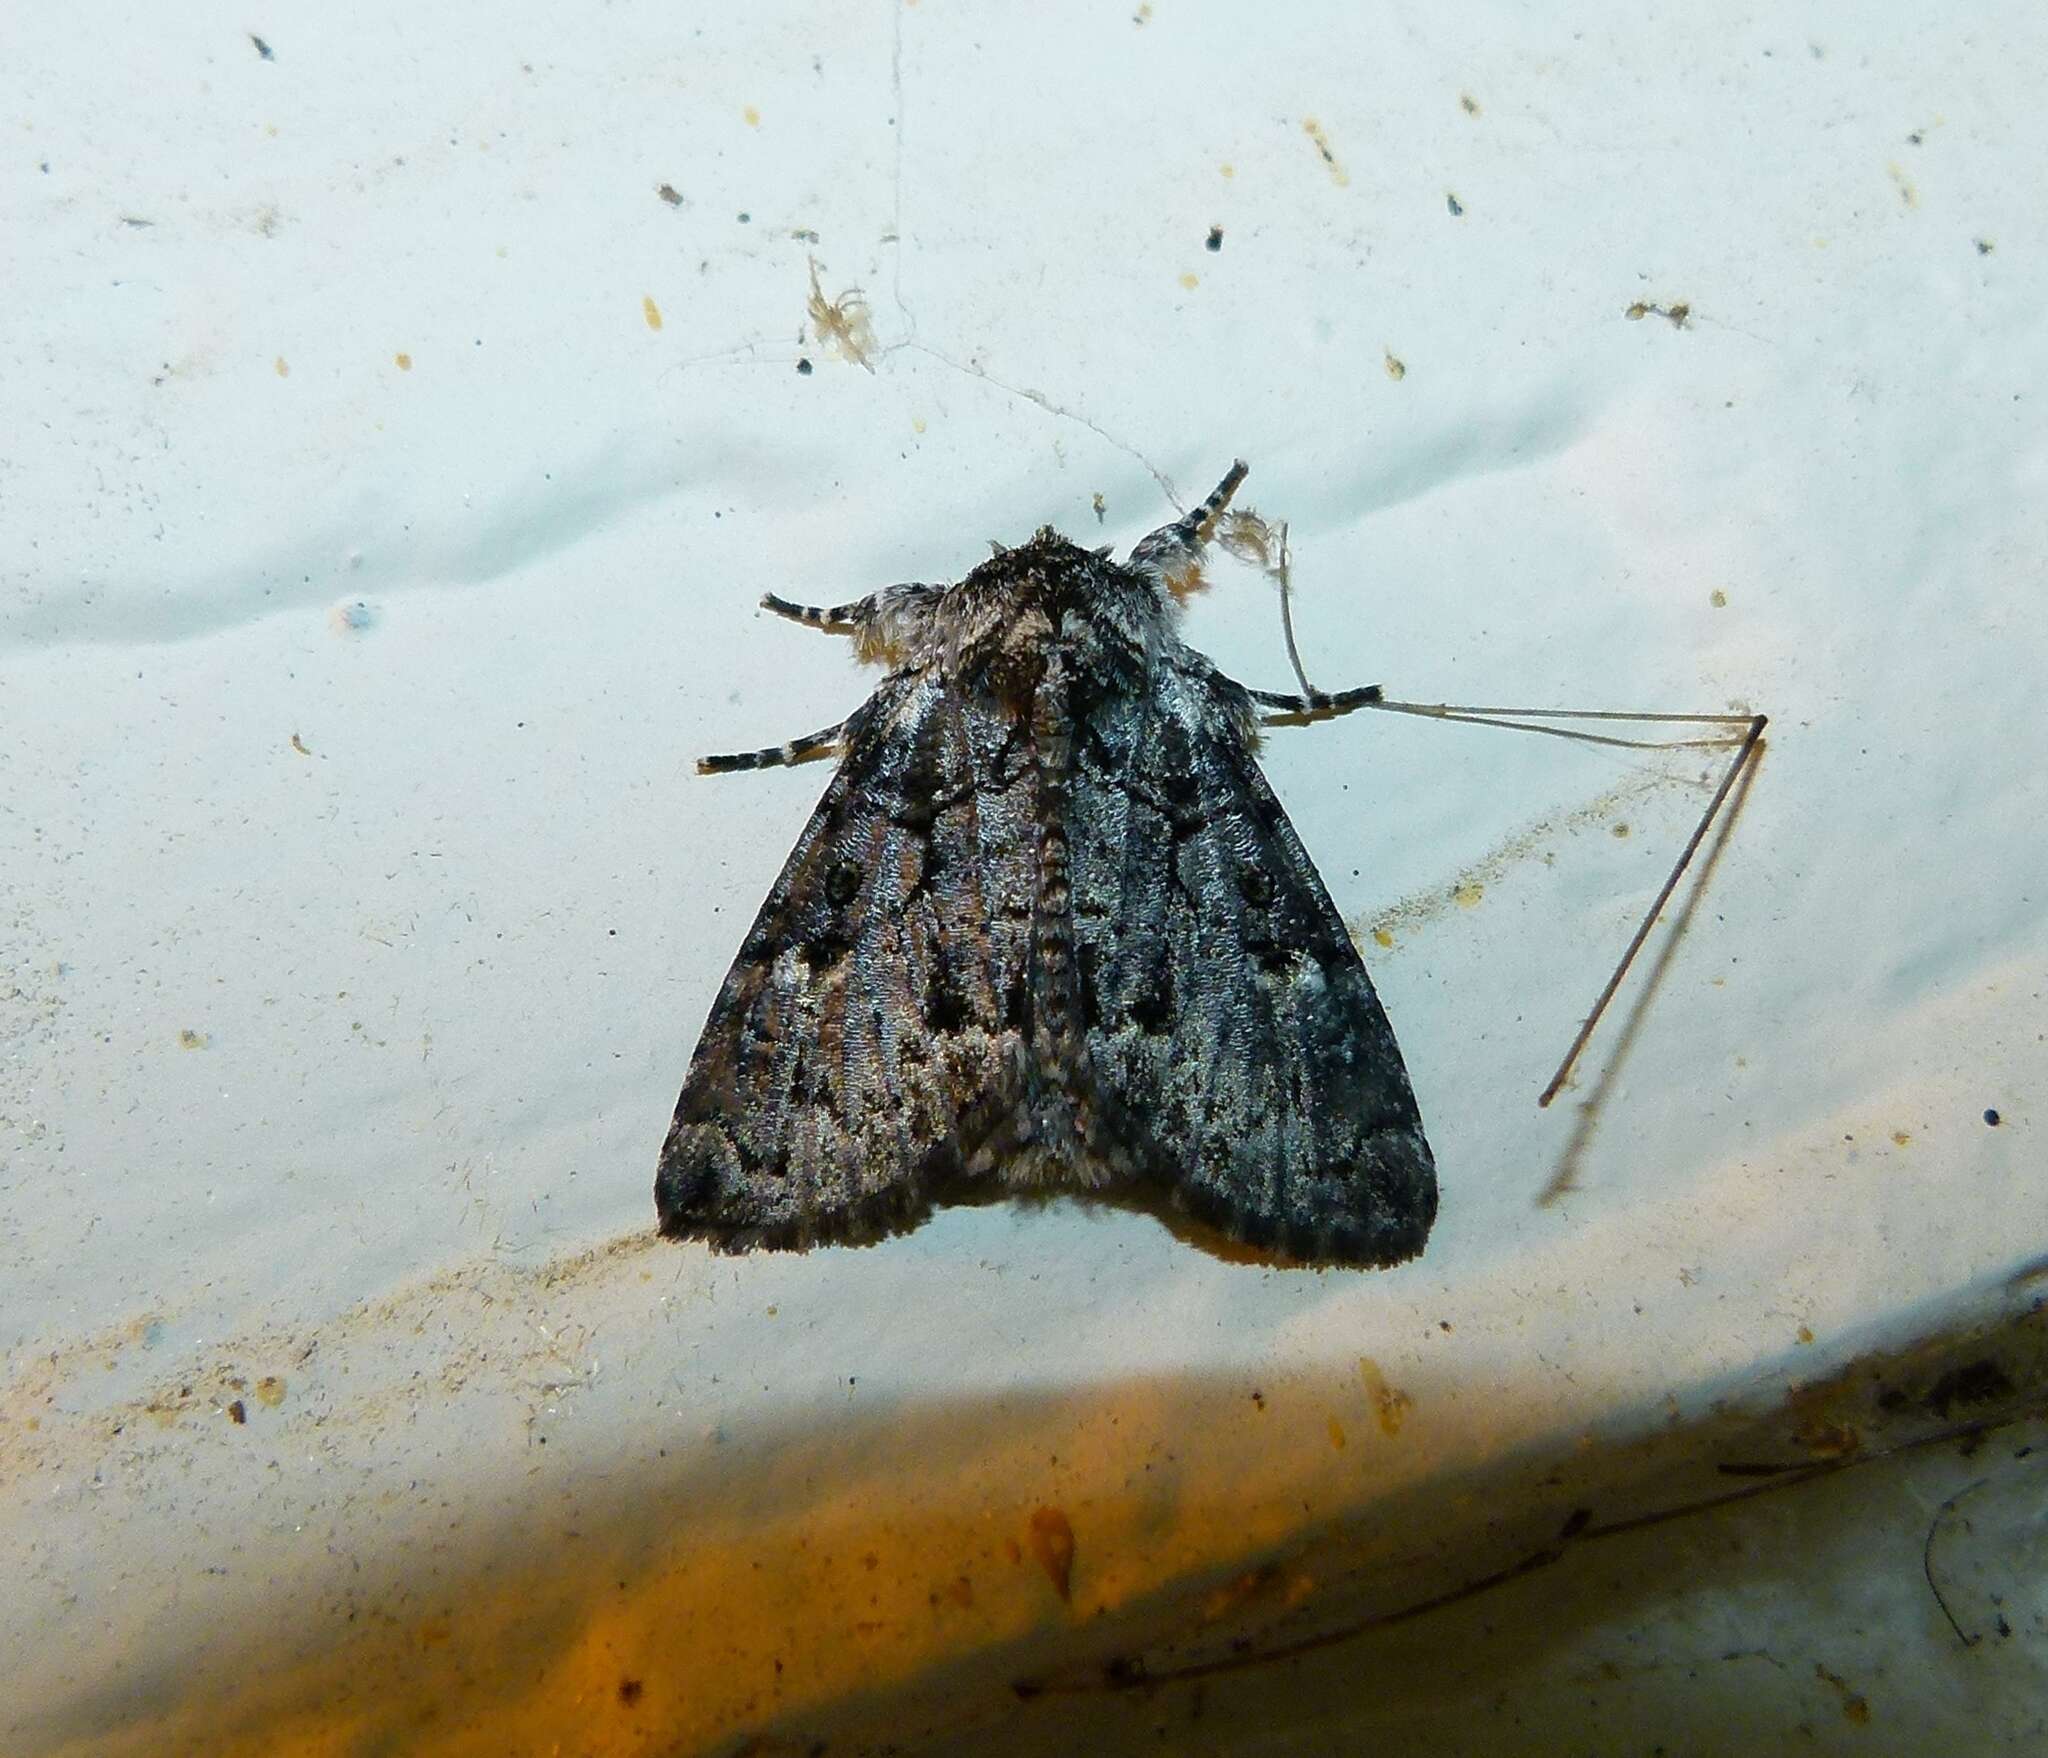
(1049, 931)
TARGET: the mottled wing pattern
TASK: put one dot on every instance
(1236, 1045)
(866, 1039)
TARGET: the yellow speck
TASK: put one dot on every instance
(1381, 937)
(650, 311)
(917, 424)
(1390, 1404)
(1314, 130)
(1052, 1542)
(1227, 169)
(1397, 369)
(270, 1390)
(1467, 895)
(1718, 599)
(1191, 282)
(188, 1039)
(752, 115)
(1907, 193)
(1336, 1434)
(403, 361)
(281, 367)
(1804, 1334)
(1900, 1138)
(1617, 830)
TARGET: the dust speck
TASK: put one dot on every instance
(842, 324)
(1052, 1543)
(1390, 1405)
(1314, 130)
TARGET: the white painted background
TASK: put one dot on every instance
(294, 1043)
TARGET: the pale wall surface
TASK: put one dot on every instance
(389, 475)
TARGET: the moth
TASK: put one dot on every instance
(1048, 930)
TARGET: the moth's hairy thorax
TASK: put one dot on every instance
(993, 633)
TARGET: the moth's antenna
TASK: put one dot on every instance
(1750, 741)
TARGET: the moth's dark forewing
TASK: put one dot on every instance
(1235, 1039)
(866, 1038)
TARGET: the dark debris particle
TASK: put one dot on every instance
(1215, 239)
(238, 1412)
(804, 366)
(1992, 1117)
(263, 48)
(669, 193)
(629, 1691)
(1577, 1522)
(1978, 1382)
(1454, 204)
(745, 218)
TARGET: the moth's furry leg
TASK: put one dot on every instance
(838, 619)
(796, 751)
(1182, 541)
(1316, 704)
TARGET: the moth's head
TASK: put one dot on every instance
(1050, 570)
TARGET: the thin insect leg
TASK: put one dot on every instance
(1467, 711)
(1751, 740)
(1519, 719)
(1314, 704)
(838, 619)
(1186, 535)
(1282, 573)
(796, 751)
